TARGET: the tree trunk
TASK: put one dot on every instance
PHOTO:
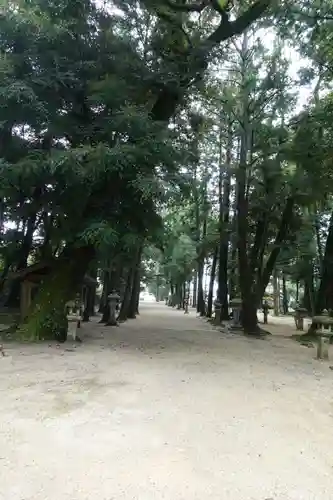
(104, 293)
(284, 295)
(179, 296)
(133, 305)
(124, 313)
(201, 300)
(90, 298)
(107, 288)
(195, 289)
(224, 208)
(311, 291)
(249, 303)
(47, 319)
(201, 306)
(279, 239)
(211, 284)
(319, 245)
(233, 281)
(276, 292)
(324, 298)
(89, 306)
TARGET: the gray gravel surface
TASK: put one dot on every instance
(165, 407)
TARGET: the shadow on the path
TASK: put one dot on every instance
(157, 329)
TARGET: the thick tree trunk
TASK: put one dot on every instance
(324, 299)
(104, 293)
(47, 319)
(233, 276)
(308, 299)
(201, 301)
(124, 313)
(211, 284)
(201, 307)
(179, 296)
(284, 295)
(89, 306)
(224, 208)
(319, 244)
(195, 289)
(133, 305)
(107, 288)
(249, 303)
(276, 292)
(279, 240)
(195, 61)
(90, 298)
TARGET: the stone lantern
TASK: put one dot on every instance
(217, 310)
(300, 314)
(236, 306)
(186, 301)
(73, 315)
(113, 300)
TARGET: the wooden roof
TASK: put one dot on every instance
(35, 272)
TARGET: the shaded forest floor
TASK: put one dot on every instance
(165, 407)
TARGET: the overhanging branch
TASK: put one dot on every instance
(168, 99)
(227, 29)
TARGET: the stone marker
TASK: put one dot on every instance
(300, 314)
(324, 333)
(217, 310)
(186, 301)
(113, 299)
(236, 306)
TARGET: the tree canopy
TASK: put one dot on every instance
(162, 141)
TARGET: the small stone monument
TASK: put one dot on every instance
(236, 306)
(217, 310)
(113, 299)
(300, 314)
(265, 309)
(186, 300)
(324, 325)
(73, 315)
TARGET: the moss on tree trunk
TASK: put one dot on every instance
(47, 319)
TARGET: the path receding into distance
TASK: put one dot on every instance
(165, 407)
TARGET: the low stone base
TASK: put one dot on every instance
(322, 347)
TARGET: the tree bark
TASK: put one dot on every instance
(276, 292)
(124, 313)
(201, 307)
(133, 305)
(279, 239)
(195, 289)
(284, 295)
(324, 298)
(249, 304)
(224, 208)
(47, 319)
(107, 288)
(196, 60)
(211, 284)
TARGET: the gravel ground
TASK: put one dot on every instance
(164, 407)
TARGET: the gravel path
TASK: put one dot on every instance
(164, 407)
